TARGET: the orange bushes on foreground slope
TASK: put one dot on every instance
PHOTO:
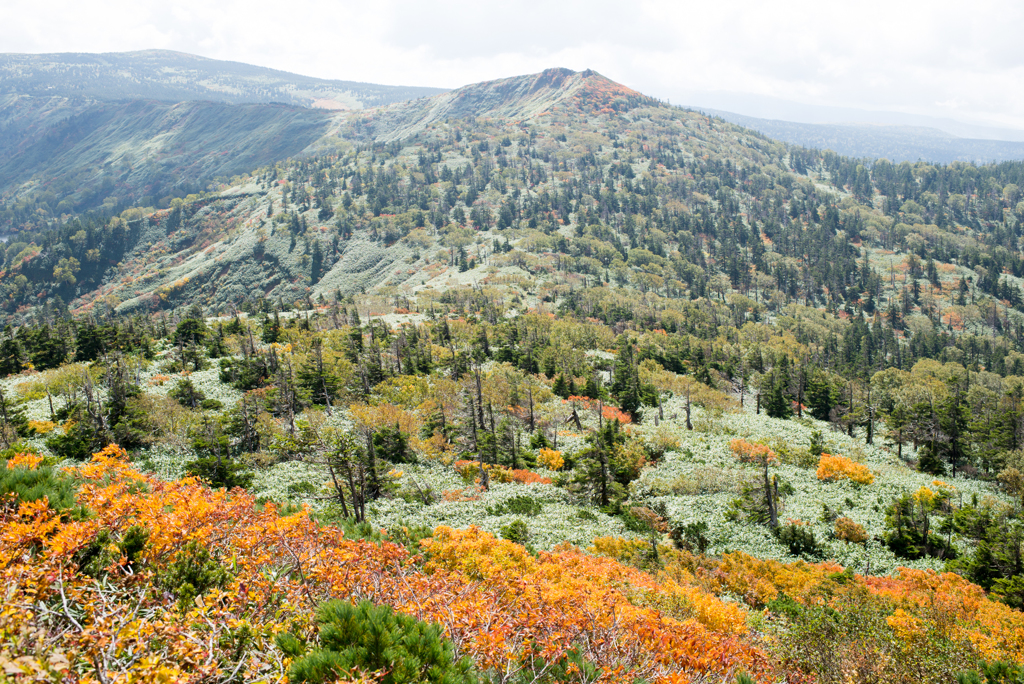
(216, 577)
(174, 582)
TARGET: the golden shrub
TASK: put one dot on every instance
(835, 468)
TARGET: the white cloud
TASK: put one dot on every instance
(942, 59)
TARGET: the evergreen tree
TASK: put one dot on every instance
(316, 380)
(777, 402)
(12, 357)
(395, 647)
(626, 379)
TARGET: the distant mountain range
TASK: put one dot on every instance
(180, 77)
(876, 141)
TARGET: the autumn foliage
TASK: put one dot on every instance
(550, 458)
(175, 582)
(834, 468)
(752, 452)
(499, 605)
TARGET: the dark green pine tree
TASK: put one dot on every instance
(821, 395)
(316, 380)
(777, 403)
(47, 350)
(626, 381)
(561, 387)
(392, 445)
(271, 328)
(14, 422)
(12, 357)
(317, 263)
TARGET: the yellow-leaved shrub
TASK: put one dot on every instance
(836, 468)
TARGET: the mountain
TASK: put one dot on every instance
(521, 98)
(578, 167)
(778, 109)
(83, 132)
(630, 189)
(547, 308)
(878, 141)
(180, 77)
(73, 156)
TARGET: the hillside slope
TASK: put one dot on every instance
(562, 113)
(592, 178)
(81, 155)
(96, 133)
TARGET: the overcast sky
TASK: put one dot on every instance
(959, 60)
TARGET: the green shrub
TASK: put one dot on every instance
(520, 504)
(187, 394)
(516, 531)
(800, 540)
(193, 572)
(78, 443)
(220, 472)
(94, 558)
(635, 523)
(692, 536)
(375, 639)
(303, 488)
(22, 484)
(998, 672)
(571, 667)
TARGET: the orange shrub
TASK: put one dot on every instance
(528, 477)
(612, 413)
(41, 427)
(841, 468)
(26, 460)
(752, 452)
(460, 495)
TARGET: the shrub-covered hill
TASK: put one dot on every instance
(150, 580)
(530, 428)
(170, 76)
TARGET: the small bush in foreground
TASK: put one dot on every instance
(365, 638)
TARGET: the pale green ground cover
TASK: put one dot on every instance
(705, 466)
(559, 520)
(694, 483)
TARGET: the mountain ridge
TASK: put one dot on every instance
(84, 132)
(179, 76)
(882, 141)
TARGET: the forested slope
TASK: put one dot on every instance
(774, 394)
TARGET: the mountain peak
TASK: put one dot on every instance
(516, 98)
